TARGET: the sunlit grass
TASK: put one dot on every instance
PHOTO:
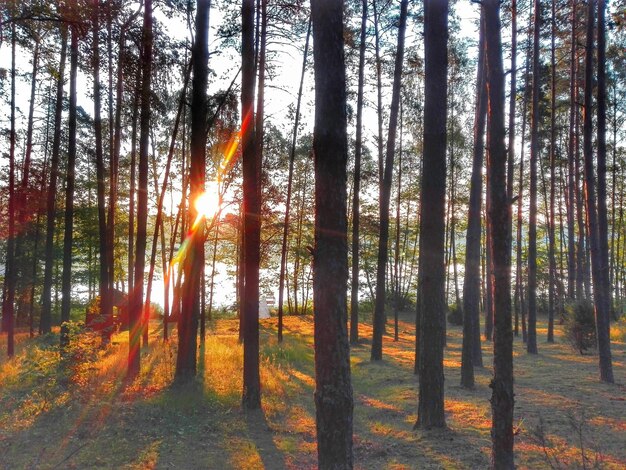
(152, 424)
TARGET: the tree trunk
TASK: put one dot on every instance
(333, 387)
(66, 288)
(498, 224)
(534, 157)
(593, 229)
(292, 156)
(186, 362)
(471, 282)
(158, 224)
(385, 194)
(603, 225)
(136, 300)
(551, 216)
(432, 303)
(356, 205)
(572, 144)
(10, 271)
(45, 321)
(251, 398)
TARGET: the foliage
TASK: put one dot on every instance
(455, 315)
(579, 327)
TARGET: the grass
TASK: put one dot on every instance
(84, 417)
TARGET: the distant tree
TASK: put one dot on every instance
(45, 323)
(8, 298)
(534, 156)
(136, 298)
(333, 388)
(68, 238)
(430, 411)
(385, 194)
(471, 283)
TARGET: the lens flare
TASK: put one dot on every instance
(208, 203)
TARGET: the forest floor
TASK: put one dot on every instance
(565, 418)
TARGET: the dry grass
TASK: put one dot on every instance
(88, 418)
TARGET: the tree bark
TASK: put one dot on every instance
(385, 194)
(534, 156)
(10, 271)
(45, 321)
(498, 224)
(356, 204)
(471, 282)
(136, 300)
(599, 300)
(66, 287)
(333, 388)
(432, 303)
(186, 362)
(251, 398)
(292, 156)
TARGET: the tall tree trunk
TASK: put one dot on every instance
(534, 157)
(498, 224)
(385, 194)
(471, 282)
(572, 144)
(136, 300)
(333, 387)
(603, 224)
(292, 156)
(251, 398)
(21, 210)
(193, 261)
(551, 216)
(158, 224)
(356, 205)
(10, 271)
(593, 229)
(131, 197)
(45, 321)
(66, 288)
(430, 411)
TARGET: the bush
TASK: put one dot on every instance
(580, 325)
(455, 315)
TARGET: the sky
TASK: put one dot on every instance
(279, 97)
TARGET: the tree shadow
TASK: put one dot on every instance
(261, 433)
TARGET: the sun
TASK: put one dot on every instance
(208, 203)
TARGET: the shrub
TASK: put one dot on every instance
(455, 315)
(580, 326)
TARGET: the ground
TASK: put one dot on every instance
(88, 418)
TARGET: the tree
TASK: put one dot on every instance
(8, 299)
(252, 210)
(430, 411)
(600, 302)
(292, 156)
(471, 283)
(194, 258)
(385, 195)
(45, 323)
(136, 298)
(498, 225)
(66, 288)
(534, 156)
(356, 211)
(333, 387)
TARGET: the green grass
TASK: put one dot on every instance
(85, 416)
